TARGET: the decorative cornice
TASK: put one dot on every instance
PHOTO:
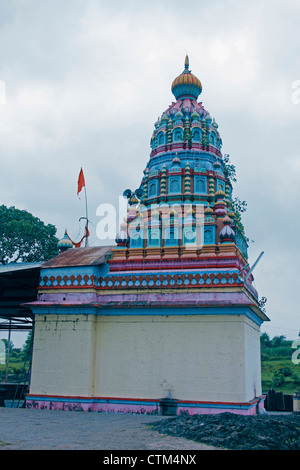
(145, 281)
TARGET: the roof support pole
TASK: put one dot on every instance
(8, 350)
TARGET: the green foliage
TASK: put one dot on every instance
(236, 206)
(17, 358)
(285, 371)
(24, 237)
(280, 375)
(275, 353)
(265, 341)
(6, 344)
(278, 346)
(278, 380)
(273, 375)
(239, 206)
(278, 370)
(229, 169)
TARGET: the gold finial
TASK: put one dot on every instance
(186, 62)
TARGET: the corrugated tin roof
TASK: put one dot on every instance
(79, 257)
(13, 267)
(18, 285)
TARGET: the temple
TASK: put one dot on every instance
(168, 318)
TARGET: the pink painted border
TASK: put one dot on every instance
(133, 406)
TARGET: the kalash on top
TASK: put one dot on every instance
(183, 208)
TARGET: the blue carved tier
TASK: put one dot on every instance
(186, 166)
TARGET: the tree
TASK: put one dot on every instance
(278, 341)
(28, 344)
(265, 340)
(24, 237)
(9, 345)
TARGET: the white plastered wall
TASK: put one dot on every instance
(63, 355)
(252, 359)
(193, 357)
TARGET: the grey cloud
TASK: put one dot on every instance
(86, 80)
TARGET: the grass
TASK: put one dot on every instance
(15, 371)
(2, 443)
(271, 366)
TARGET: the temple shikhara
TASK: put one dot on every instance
(168, 319)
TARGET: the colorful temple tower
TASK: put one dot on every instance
(168, 317)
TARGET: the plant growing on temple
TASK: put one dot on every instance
(236, 206)
(229, 169)
(24, 237)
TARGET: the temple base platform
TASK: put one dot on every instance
(142, 406)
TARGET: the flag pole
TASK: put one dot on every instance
(81, 184)
(87, 220)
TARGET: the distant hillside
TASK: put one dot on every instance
(280, 364)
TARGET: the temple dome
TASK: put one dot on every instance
(122, 237)
(186, 85)
(227, 234)
(65, 243)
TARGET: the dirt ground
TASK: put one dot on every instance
(268, 431)
(30, 429)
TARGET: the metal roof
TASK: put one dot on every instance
(79, 257)
(13, 267)
(18, 285)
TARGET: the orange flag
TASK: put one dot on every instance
(81, 182)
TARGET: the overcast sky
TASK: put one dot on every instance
(83, 81)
